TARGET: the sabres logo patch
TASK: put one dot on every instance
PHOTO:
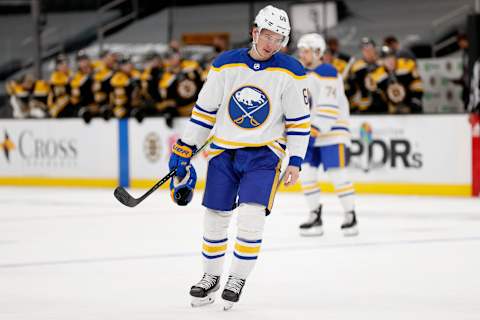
(249, 107)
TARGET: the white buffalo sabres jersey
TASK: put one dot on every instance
(250, 103)
(329, 106)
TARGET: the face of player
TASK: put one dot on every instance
(390, 63)
(126, 67)
(174, 60)
(84, 66)
(62, 67)
(110, 60)
(369, 53)
(306, 57)
(327, 57)
(267, 43)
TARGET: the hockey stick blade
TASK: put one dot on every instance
(124, 197)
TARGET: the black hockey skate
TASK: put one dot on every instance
(350, 225)
(314, 225)
(233, 290)
(203, 292)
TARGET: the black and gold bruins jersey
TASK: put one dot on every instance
(150, 80)
(125, 93)
(59, 97)
(19, 92)
(101, 86)
(81, 89)
(20, 98)
(339, 64)
(40, 94)
(31, 102)
(401, 90)
(360, 91)
(180, 90)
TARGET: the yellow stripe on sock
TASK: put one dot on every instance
(244, 249)
(213, 249)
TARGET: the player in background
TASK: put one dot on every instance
(125, 84)
(59, 98)
(358, 85)
(104, 71)
(398, 83)
(330, 141)
(179, 87)
(28, 97)
(81, 85)
(256, 103)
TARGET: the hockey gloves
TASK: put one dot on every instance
(181, 189)
(180, 158)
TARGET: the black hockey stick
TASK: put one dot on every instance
(125, 198)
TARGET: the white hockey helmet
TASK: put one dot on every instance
(275, 20)
(312, 41)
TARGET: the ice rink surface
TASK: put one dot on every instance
(79, 254)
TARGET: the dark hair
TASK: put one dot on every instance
(462, 36)
(389, 40)
(332, 40)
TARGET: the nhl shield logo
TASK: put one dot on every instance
(249, 107)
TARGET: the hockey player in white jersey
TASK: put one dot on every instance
(255, 103)
(330, 140)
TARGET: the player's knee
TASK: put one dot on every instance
(216, 224)
(251, 221)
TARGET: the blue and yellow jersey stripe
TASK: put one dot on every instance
(298, 126)
(203, 117)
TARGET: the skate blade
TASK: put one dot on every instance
(312, 232)
(350, 232)
(200, 302)
(227, 305)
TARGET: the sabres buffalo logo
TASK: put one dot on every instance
(249, 107)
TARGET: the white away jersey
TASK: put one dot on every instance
(329, 106)
(250, 103)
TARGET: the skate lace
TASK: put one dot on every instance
(234, 284)
(208, 281)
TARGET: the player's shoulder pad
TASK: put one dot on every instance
(18, 90)
(58, 78)
(189, 65)
(326, 70)
(379, 74)
(339, 64)
(41, 87)
(405, 64)
(103, 74)
(119, 79)
(288, 63)
(228, 57)
(358, 65)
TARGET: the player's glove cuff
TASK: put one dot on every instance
(180, 157)
(295, 161)
(183, 150)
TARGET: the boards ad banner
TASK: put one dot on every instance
(63, 153)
